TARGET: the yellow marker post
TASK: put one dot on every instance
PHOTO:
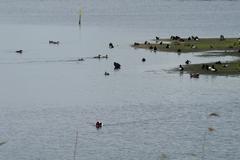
(80, 17)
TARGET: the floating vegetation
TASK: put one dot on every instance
(163, 156)
(210, 129)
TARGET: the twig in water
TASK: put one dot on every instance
(203, 145)
(75, 147)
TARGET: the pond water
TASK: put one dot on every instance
(46, 95)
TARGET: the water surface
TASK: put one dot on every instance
(148, 113)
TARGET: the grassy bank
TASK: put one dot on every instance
(208, 46)
(185, 45)
(216, 68)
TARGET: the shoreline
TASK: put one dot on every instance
(190, 44)
(208, 46)
(215, 68)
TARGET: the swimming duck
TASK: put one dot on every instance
(98, 124)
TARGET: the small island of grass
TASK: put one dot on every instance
(215, 68)
(208, 46)
(191, 44)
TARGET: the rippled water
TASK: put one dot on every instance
(148, 113)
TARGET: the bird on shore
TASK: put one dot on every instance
(213, 69)
(136, 44)
(180, 68)
(218, 62)
(187, 62)
(154, 48)
(225, 65)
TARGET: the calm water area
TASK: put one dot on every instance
(46, 95)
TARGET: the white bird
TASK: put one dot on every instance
(212, 69)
